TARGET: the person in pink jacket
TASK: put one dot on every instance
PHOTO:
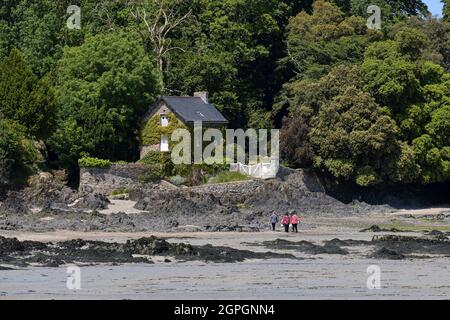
(294, 221)
(285, 222)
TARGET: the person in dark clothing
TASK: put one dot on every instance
(273, 220)
(294, 222)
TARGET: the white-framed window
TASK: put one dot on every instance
(164, 147)
(164, 120)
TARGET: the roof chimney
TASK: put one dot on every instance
(203, 95)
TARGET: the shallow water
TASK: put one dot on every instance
(321, 278)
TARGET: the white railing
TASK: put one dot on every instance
(262, 170)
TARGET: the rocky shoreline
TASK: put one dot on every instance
(32, 253)
(15, 253)
(48, 205)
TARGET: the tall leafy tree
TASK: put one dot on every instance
(35, 27)
(437, 49)
(104, 87)
(326, 38)
(231, 49)
(25, 98)
(446, 9)
(390, 8)
(348, 135)
(416, 92)
(18, 154)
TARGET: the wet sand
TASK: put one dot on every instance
(322, 276)
(326, 278)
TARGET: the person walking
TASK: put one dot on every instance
(285, 222)
(294, 221)
(273, 220)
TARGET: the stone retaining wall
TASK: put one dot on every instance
(127, 176)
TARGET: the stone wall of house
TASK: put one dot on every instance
(106, 180)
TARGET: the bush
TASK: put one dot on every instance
(120, 191)
(228, 176)
(88, 162)
(177, 180)
(19, 156)
(159, 159)
(151, 174)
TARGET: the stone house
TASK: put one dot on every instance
(171, 113)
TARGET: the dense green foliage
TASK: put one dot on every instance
(359, 105)
(326, 38)
(446, 9)
(18, 155)
(228, 176)
(385, 119)
(104, 87)
(88, 162)
(25, 98)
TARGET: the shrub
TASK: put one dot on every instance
(228, 176)
(120, 191)
(159, 159)
(177, 180)
(152, 173)
(19, 156)
(88, 162)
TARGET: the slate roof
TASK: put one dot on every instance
(191, 109)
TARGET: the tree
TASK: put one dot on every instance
(446, 9)
(326, 38)
(25, 98)
(231, 49)
(35, 28)
(416, 91)
(159, 18)
(104, 87)
(391, 68)
(349, 135)
(437, 49)
(294, 144)
(390, 9)
(18, 154)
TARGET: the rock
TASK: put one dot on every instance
(9, 245)
(173, 223)
(306, 247)
(373, 228)
(5, 268)
(376, 228)
(385, 253)
(93, 201)
(435, 233)
(83, 251)
(148, 246)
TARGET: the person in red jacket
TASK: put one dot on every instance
(294, 221)
(285, 222)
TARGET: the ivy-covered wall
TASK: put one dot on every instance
(152, 130)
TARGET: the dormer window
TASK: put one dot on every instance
(164, 120)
